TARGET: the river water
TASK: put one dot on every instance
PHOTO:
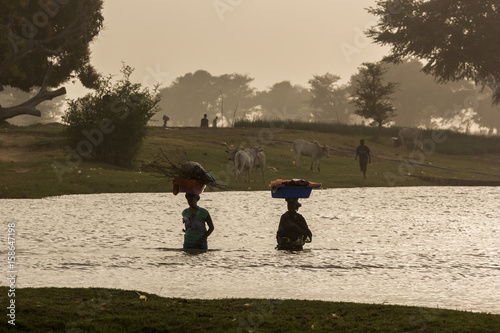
(424, 246)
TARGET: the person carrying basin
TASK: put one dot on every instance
(293, 231)
(194, 219)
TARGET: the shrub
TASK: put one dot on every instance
(110, 123)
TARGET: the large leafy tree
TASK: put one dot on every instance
(456, 39)
(44, 44)
(372, 97)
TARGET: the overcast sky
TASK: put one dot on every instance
(269, 40)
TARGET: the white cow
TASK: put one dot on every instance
(315, 150)
(243, 164)
(231, 152)
(406, 135)
(259, 158)
(260, 161)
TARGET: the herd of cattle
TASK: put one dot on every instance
(245, 159)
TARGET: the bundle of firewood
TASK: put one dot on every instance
(176, 167)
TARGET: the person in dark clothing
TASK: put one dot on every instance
(204, 121)
(293, 231)
(165, 119)
(363, 152)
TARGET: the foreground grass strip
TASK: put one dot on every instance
(111, 310)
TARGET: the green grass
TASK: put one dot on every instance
(454, 143)
(29, 154)
(112, 310)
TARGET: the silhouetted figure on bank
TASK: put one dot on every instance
(165, 119)
(214, 122)
(204, 121)
(363, 152)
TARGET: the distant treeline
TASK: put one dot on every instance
(450, 142)
(419, 101)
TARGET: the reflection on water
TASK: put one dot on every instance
(425, 246)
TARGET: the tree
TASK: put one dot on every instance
(420, 98)
(457, 39)
(234, 91)
(192, 95)
(328, 98)
(371, 97)
(110, 122)
(283, 101)
(44, 44)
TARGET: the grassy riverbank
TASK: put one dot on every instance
(33, 162)
(111, 310)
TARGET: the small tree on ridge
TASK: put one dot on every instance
(371, 97)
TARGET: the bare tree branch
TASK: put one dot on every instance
(29, 107)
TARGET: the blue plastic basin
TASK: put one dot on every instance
(291, 192)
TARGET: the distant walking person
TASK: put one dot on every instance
(204, 121)
(214, 123)
(165, 119)
(363, 152)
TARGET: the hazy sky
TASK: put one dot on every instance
(269, 40)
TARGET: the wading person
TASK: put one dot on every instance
(194, 219)
(363, 152)
(293, 231)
